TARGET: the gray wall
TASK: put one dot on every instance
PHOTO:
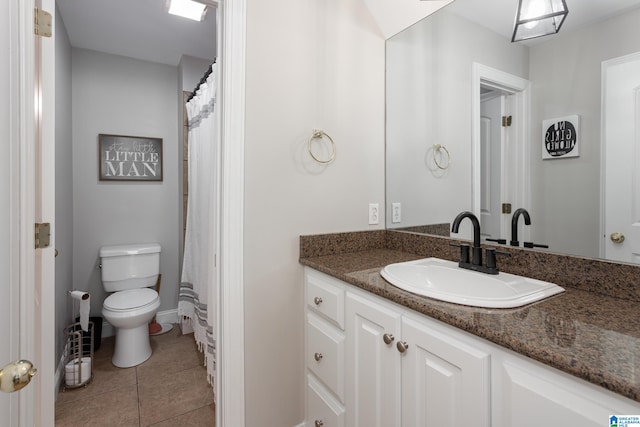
(310, 64)
(429, 77)
(570, 188)
(123, 96)
(64, 185)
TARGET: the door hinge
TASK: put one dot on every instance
(506, 121)
(43, 235)
(506, 208)
(42, 22)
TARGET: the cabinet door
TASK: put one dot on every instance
(532, 396)
(373, 366)
(444, 382)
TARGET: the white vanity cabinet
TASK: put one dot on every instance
(380, 364)
(399, 369)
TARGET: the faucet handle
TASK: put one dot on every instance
(498, 241)
(534, 245)
(491, 257)
(464, 251)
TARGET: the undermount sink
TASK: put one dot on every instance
(444, 280)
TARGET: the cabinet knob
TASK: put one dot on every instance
(317, 300)
(319, 423)
(318, 357)
(402, 346)
(388, 338)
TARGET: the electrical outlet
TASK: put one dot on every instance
(396, 213)
(374, 214)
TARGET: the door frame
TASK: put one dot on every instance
(519, 173)
(230, 410)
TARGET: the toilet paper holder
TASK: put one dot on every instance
(78, 352)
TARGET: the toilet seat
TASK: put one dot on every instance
(131, 299)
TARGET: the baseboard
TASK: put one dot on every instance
(166, 316)
(59, 377)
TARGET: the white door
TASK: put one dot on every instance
(491, 159)
(373, 366)
(621, 157)
(26, 195)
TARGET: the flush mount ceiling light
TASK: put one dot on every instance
(187, 9)
(537, 18)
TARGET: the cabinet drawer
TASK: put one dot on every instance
(325, 295)
(325, 354)
(322, 409)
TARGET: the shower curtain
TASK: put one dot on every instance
(197, 294)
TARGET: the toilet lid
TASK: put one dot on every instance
(131, 299)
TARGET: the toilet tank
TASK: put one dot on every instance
(130, 266)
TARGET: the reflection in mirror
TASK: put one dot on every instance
(434, 98)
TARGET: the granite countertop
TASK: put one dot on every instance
(591, 336)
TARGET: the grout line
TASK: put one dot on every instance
(138, 397)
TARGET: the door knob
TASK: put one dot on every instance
(317, 300)
(16, 375)
(318, 357)
(617, 237)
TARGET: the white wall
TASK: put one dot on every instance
(64, 185)
(310, 65)
(123, 96)
(429, 70)
(566, 192)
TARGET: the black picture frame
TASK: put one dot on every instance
(129, 158)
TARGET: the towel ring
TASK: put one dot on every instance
(319, 134)
(438, 148)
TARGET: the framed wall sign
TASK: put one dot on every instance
(129, 158)
(560, 137)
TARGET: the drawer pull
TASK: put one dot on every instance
(319, 423)
(402, 346)
(388, 338)
(317, 300)
(318, 357)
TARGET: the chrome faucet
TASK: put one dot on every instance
(476, 257)
(514, 224)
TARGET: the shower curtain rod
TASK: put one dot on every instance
(202, 80)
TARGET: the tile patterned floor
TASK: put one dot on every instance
(170, 389)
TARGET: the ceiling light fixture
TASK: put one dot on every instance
(187, 9)
(537, 18)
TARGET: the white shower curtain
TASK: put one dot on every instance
(197, 295)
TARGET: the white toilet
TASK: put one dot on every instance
(128, 271)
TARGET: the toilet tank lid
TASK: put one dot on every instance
(135, 249)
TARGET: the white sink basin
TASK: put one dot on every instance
(445, 281)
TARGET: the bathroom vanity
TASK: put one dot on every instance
(378, 355)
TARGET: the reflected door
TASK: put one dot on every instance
(621, 152)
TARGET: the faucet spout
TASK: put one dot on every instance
(477, 249)
(514, 224)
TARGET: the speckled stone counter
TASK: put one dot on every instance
(591, 335)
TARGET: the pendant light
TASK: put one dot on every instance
(537, 18)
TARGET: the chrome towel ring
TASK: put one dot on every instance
(439, 148)
(320, 134)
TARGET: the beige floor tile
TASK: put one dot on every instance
(115, 408)
(182, 354)
(173, 393)
(202, 417)
(106, 377)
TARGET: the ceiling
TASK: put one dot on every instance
(499, 15)
(139, 29)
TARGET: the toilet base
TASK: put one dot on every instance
(132, 346)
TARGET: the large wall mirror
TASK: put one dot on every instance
(454, 76)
